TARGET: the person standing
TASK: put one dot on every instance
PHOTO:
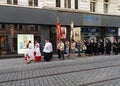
(48, 49)
(73, 47)
(67, 47)
(37, 54)
(108, 47)
(58, 49)
(27, 54)
(61, 50)
(78, 47)
(30, 51)
(101, 47)
(36, 44)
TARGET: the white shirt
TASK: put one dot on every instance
(48, 48)
(29, 53)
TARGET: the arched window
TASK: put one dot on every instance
(92, 5)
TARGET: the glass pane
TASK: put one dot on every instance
(76, 4)
(15, 2)
(30, 3)
(9, 1)
(35, 2)
(57, 3)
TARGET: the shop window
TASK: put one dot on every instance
(92, 5)
(76, 4)
(57, 3)
(106, 3)
(67, 4)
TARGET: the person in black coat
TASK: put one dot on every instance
(95, 47)
(115, 47)
(108, 47)
(101, 47)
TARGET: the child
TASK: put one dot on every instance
(37, 54)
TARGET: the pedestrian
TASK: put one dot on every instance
(78, 47)
(73, 47)
(108, 47)
(36, 44)
(61, 47)
(115, 47)
(58, 49)
(95, 47)
(67, 44)
(48, 49)
(37, 54)
(101, 47)
(27, 54)
(84, 48)
(30, 46)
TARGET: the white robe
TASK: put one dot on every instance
(29, 53)
(38, 53)
(48, 48)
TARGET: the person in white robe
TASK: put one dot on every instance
(36, 44)
(37, 53)
(48, 49)
(30, 51)
(27, 54)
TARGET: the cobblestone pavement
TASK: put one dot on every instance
(85, 71)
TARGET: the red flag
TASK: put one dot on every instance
(58, 31)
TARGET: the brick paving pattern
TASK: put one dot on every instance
(88, 71)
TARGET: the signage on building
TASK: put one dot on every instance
(22, 41)
(112, 31)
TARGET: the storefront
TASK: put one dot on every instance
(41, 23)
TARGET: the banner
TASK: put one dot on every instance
(58, 31)
(22, 41)
(63, 32)
(76, 33)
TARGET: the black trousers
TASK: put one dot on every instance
(47, 56)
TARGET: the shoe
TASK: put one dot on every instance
(28, 62)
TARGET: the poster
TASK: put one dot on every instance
(22, 41)
(63, 32)
(77, 33)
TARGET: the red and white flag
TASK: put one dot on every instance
(58, 31)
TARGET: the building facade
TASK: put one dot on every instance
(98, 19)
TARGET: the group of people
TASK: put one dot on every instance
(99, 47)
(35, 55)
(70, 48)
(81, 47)
(86, 48)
